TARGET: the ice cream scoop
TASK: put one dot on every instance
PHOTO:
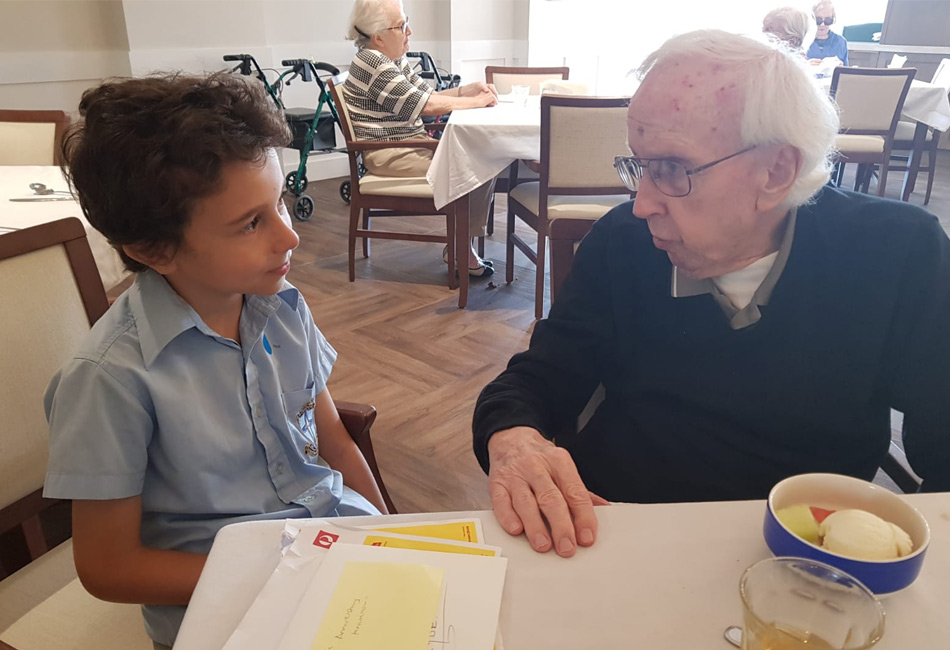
(861, 535)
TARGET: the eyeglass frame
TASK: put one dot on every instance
(404, 27)
(824, 21)
(621, 165)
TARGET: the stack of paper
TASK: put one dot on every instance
(344, 588)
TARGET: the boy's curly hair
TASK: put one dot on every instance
(145, 150)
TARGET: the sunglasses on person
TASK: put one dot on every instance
(670, 176)
(825, 21)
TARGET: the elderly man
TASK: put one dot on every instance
(747, 321)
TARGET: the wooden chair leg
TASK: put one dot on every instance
(450, 248)
(354, 222)
(932, 157)
(882, 178)
(481, 247)
(365, 227)
(463, 208)
(539, 273)
(510, 247)
(490, 226)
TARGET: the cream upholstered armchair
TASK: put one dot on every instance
(904, 136)
(870, 102)
(31, 137)
(580, 136)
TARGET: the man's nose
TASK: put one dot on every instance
(649, 200)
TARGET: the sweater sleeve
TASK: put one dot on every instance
(547, 386)
(919, 351)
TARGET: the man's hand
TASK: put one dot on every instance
(529, 477)
(477, 88)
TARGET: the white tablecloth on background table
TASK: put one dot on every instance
(659, 576)
(15, 183)
(480, 143)
(924, 103)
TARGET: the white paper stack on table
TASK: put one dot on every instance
(412, 587)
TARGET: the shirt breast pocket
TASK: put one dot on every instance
(299, 406)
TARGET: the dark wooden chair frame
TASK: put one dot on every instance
(540, 223)
(867, 160)
(365, 206)
(59, 118)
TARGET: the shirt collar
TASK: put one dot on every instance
(683, 286)
(161, 315)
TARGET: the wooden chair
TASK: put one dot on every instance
(43, 605)
(870, 101)
(566, 235)
(504, 77)
(31, 137)
(904, 136)
(372, 195)
(579, 138)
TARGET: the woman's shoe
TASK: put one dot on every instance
(472, 271)
(481, 271)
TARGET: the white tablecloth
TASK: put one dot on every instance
(15, 183)
(479, 143)
(659, 576)
(924, 103)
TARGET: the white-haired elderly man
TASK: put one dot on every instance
(747, 321)
(387, 99)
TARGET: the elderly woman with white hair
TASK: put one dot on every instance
(387, 99)
(787, 24)
(827, 43)
(746, 320)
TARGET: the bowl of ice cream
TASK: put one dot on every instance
(856, 526)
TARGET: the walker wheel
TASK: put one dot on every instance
(303, 208)
(291, 184)
(345, 191)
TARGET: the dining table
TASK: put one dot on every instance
(658, 576)
(22, 207)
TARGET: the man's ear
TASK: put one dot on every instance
(783, 164)
(161, 259)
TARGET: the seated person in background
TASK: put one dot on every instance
(747, 321)
(787, 24)
(387, 100)
(827, 43)
(199, 399)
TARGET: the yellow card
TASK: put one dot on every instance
(459, 531)
(381, 605)
(422, 545)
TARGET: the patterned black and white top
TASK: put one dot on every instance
(384, 98)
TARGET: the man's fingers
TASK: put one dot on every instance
(527, 506)
(576, 496)
(504, 511)
(598, 500)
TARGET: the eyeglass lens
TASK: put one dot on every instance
(825, 21)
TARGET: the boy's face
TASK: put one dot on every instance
(238, 240)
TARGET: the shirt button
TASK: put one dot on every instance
(280, 468)
(258, 411)
(307, 499)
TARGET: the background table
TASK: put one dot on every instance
(660, 576)
(479, 143)
(15, 183)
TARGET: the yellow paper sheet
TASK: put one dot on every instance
(422, 545)
(459, 531)
(381, 605)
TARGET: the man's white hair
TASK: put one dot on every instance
(369, 17)
(783, 104)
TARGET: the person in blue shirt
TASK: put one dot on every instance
(826, 43)
(199, 399)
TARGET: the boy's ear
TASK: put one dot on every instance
(159, 259)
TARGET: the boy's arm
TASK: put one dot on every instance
(113, 565)
(339, 450)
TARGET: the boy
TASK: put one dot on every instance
(199, 399)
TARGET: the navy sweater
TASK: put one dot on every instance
(858, 323)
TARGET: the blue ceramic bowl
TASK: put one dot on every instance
(837, 492)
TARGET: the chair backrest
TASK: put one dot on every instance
(31, 137)
(580, 136)
(335, 84)
(505, 77)
(51, 286)
(870, 99)
(942, 75)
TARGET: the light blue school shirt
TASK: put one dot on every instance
(208, 431)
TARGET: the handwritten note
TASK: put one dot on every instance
(381, 605)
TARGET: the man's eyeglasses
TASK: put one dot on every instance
(824, 21)
(404, 26)
(670, 176)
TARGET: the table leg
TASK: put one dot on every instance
(462, 210)
(913, 162)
